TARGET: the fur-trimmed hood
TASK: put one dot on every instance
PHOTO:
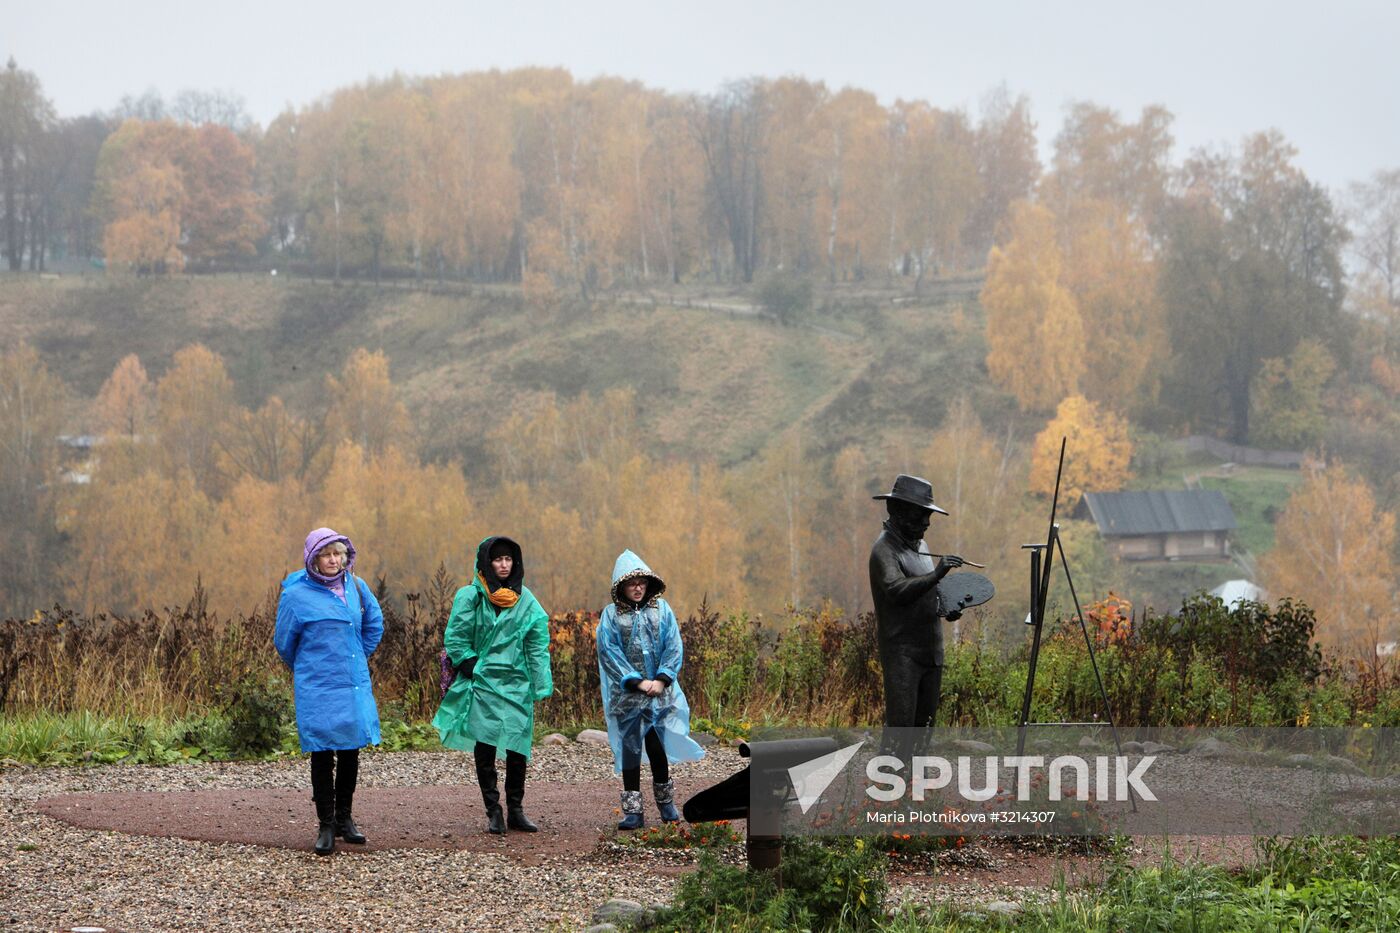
(630, 567)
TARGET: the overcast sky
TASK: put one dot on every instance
(1326, 75)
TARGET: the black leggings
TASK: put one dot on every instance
(329, 782)
(656, 755)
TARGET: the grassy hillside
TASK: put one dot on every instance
(710, 383)
(713, 378)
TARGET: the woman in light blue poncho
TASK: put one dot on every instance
(639, 658)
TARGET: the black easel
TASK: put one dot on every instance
(1041, 565)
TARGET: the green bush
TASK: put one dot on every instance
(786, 296)
(826, 884)
(257, 709)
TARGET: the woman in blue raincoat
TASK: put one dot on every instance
(328, 624)
(497, 639)
(639, 658)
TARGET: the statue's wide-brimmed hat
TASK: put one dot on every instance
(914, 490)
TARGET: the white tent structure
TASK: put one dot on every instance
(1234, 592)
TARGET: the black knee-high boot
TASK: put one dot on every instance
(347, 774)
(490, 794)
(515, 794)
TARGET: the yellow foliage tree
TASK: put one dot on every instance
(405, 518)
(274, 445)
(258, 532)
(676, 517)
(939, 167)
(777, 496)
(1098, 452)
(1035, 337)
(1335, 551)
(141, 544)
(1287, 397)
(365, 407)
(195, 407)
(145, 235)
(978, 478)
(31, 409)
(846, 527)
(1110, 271)
(126, 402)
(591, 492)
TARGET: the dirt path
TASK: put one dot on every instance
(572, 817)
(228, 845)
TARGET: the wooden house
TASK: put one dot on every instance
(1162, 524)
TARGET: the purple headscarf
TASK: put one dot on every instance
(314, 543)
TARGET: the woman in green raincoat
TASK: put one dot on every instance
(497, 640)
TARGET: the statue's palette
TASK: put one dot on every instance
(959, 591)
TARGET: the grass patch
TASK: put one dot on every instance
(1163, 585)
(1257, 495)
(741, 380)
(83, 738)
(1342, 883)
(685, 836)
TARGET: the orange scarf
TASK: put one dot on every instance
(504, 597)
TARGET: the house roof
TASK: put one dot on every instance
(1159, 511)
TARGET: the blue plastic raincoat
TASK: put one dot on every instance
(637, 643)
(326, 640)
(496, 704)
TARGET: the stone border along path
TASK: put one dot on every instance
(227, 845)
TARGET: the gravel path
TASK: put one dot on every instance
(54, 875)
(429, 865)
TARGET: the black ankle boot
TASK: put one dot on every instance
(491, 796)
(515, 795)
(325, 838)
(516, 818)
(345, 826)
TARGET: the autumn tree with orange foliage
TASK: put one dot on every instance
(255, 533)
(365, 408)
(1035, 336)
(1101, 157)
(125, 405)
(185, 469)
(172, 194)
(195, 400)
(937, 149)
(140, 194)
(1335, 551)
(274, 445)
(140, 543)
(978, 478)
(843, 529)
(778, 494)
(1098, 452)
(1007, 166)
(1110, 270)
(221, 217)
(576, 484)
(406, 518)
(850, 139)
(31, 408)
